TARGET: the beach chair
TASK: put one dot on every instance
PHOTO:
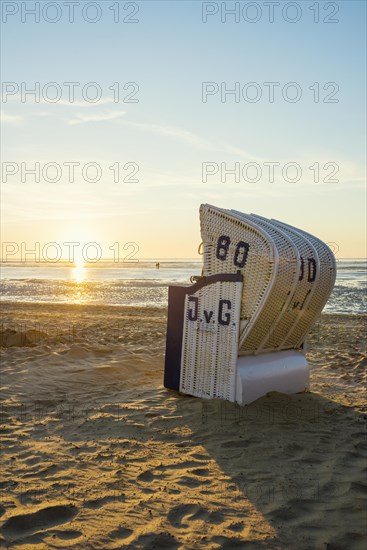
(238, 332)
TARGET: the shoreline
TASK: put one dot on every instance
(8, 304)
(61, 305)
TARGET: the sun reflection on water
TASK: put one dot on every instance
(78, 271)
(78, 275)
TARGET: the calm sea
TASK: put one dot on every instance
(144, 285)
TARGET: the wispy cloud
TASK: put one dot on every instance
(348, 175)
(18, 98)
(193, 139)
(175, 132)
(82, 118)
(10, 119)
(65, 103)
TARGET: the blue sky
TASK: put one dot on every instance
(170, 132)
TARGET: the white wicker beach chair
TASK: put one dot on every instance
(237, 333)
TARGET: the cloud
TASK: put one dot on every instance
(195, 140)
(65, 103)
(84, 118)
(10, 119)
(173, 131)
(41, 100)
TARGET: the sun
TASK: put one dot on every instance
(78, 265)
(79, 262)
(75, 238)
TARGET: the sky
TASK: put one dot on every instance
(169, 97)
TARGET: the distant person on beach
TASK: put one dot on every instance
(157, 265)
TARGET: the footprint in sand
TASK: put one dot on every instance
(147, 476)
(68, 534)
(31, 461)
(8, 484)
(200, 456)
(187, 512)
(200, 472)
(44, 472)
(191, 482)
(237, 527)
(179, 465)
(26, 524)
(121, 533)
(229, 543)
(98, 502)
(161, 541)
(215, 517)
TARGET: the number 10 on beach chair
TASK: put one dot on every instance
(238, 332)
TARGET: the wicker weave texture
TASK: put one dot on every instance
(288, 275)
(299, 313)
(232, 244)
(325, 282)
(278, 306)
(308, 306)
(210, 341)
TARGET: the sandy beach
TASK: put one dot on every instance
(98, 454)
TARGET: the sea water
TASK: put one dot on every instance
(142, 284)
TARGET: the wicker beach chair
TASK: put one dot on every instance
(236, 334)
